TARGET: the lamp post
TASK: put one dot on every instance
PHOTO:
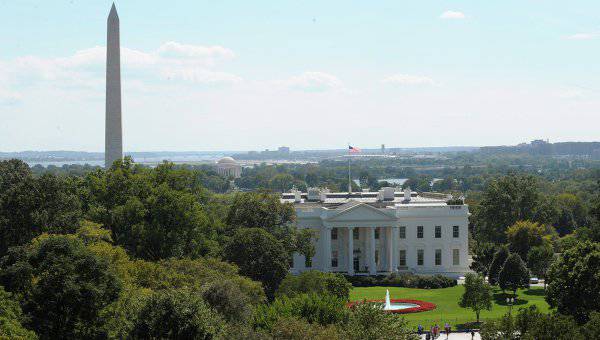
(509, 302)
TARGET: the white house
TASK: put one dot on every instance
(370, 233)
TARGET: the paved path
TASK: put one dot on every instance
(456, 336)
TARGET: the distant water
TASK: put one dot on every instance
(197, 158)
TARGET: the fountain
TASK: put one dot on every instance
(396, 306)
(388, 305)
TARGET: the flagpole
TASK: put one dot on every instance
(349, 177)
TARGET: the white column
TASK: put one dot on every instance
(390, 248)
(326, 244)
(371, 255)
(350, 231)
(395, 249)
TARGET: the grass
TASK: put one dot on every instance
(446, 299)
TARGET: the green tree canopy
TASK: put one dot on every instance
(496, 266)
(314, 281)
(64, 286)
(574, 283)
(177, 314)
(477, 295)
(514, 274)
(260, 257)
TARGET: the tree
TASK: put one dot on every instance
(591, 330)
(505, 201)
(477, 295)
(30, 206)
(483, 257)
(501, 329)
(227, 298)
(260, 256)
(539, 260)
(314, 281)
(177, 314)
(259, 210)
(64, 286)
(514, 274)
(571, 213)
(523, 235)
(574, 283)
(298, 329)
(371, 323)
(496, 266)
(12, 318)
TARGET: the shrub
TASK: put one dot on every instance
(403, 280)
(315, 282)
(227, 299)
(177, 314)
(368, 322)
(322, 309)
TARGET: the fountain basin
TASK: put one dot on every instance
(400, 306)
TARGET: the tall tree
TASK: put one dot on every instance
(260, 256)
(514, 274)
(483, 257)
(524, 235)
(574, 283)
(539, 260)
(505, 201)
(477, 295)
(64, 286)
(496, 266)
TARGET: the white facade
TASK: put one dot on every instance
(383, 232)
(229, 167)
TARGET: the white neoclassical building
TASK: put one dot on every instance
(371, 233)
(229, 167)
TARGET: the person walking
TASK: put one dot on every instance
(447, 329)
(420, 329)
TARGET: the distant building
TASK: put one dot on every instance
(283, 149)
(383, 149)
(373, 233)
(229, 167)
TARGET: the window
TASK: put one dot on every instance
(377, 257)
(402, 232)
(355, 233)
(377, 233)
(308, 262)
(438, 257)
(334, 258)
(402, 258)
(455, 231)
(420, 231)
(438, 231)
(334, 233)
(420, 256)
(455, 257)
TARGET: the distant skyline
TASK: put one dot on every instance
(239, 75)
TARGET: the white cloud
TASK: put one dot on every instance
(314, 82)
(453, 15)
(583, 36)
(85, 68)
(407, 79)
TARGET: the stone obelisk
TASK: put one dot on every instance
(113, 142)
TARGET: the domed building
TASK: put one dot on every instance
(228, 166)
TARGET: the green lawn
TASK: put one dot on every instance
(446, 300)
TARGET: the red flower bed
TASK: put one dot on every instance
(422, 306)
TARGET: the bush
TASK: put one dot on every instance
(321, 309)
(368, 322)
(177, 314)
(298, 329)
(227, 299)
(315, 282)
(403, 280)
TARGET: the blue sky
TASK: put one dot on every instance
(241, 75)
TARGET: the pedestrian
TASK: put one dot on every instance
(420, 329)
(428, 336)
(447, 328)
(472, 335)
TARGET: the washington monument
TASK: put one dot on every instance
(113, 142)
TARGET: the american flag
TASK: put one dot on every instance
(353, 149)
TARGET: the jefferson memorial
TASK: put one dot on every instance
(378, 233)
